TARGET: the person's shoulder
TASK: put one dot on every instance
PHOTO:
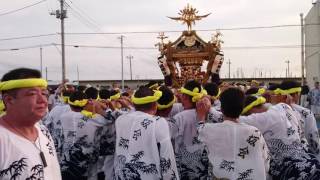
(159, 119)
(250, 127)
(186, 113)
(246, 128)
(281, 106)
(5, 133)
(44, 130)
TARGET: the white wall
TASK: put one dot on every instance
(312, 42)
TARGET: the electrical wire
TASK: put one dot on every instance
(154, 32)
(26, 47)
(28, 37)
(25, 7)
(200, 30)
(153, 48)
(85, 20)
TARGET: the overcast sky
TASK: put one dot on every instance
(96, 16)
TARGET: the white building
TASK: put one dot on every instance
(312, 44)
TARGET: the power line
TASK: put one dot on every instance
(230, 47)
(199, 30)
(28, 37)
(153, 48)
(85, 14)
(83, 19)
(16, 10)
(152, 32)
(26, 47)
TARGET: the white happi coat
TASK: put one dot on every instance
(176, 108)
(282, 135)
(82, 141)
(52, 119)
(309, 129)
(236, 150)
(191, 154)
(53, 123)
(283, 139)
(20, 158)
(274, 124)
(143, 148)
(108, 145)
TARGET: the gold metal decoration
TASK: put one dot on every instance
(182, 59)
(189, 16)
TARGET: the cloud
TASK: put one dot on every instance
(149, 15)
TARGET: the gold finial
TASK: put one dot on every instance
(189, 16)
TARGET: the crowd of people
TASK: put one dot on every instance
(216, 130)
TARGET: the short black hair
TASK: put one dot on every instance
(113, 92)
(104, 94)
(252, 90)
(190, 85)
(125, 94)
(21, 73)
(81, 88)
(151, 83)
(285, 85)
(212, 89)
(92, 93)
(167, 95)
(232, 102)
(77, 95)
(273, 86)
(66, 93)
(249, 99)
(143, 92)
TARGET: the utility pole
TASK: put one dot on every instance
(288, 72)
(122, 80)
(47, 73)
(302, 49)
(62, 14)
(78, 75)
(229, 63)
(41, 61)
(130, 57)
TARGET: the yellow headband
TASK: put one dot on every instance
(88, 114)
(258, 101)
(115, 97)
(2, 106)
(65, 99)
(260, 92)
(196, 95)
(279, 91)
(165, 106)
(79, 103)
(216, 96)
(148, 99)
(22, 83)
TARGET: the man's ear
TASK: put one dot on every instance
(8, 99)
